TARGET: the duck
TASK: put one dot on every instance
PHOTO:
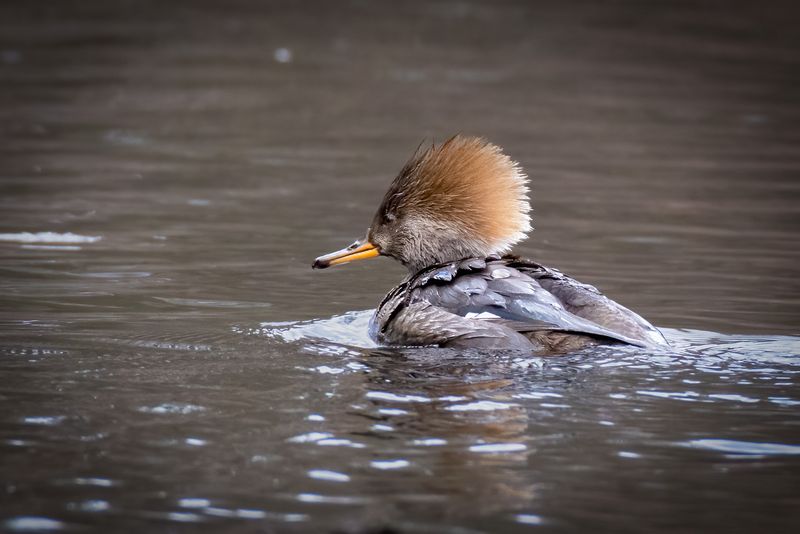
(450, 217)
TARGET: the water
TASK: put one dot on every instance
(169, 361)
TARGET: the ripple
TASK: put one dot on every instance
(395, 397)
(219, 512)
(331, 442)
(528, 519)
(392, 411)
(49, 237)
(689, 396)
(51, 247)
(742, 447)
(172, 408)
(249, 513)
(495, 448)
(171, 345)
(329, 350)
(537, 395)
(45, 420)
(310, 437)
(92, 505)
(34, 351)
(123, 138)
(552, 405)
(331, 476)
(241, 513)
(327, 370)
(785, 401)
(208, 303)
(481, 406)
(331, 499)
(389, 464)
(94, 481)
(734, 398)
(185, 517)
(429, 442)
(33, 524)
(193, 502)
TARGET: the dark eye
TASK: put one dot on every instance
(390, 217)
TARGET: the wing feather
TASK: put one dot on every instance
(517, 299)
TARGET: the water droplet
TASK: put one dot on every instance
(283, 55)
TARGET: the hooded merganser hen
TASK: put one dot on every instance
(450, 214)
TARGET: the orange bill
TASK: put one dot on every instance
(360, 250)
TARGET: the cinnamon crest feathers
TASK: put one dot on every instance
(467, 181)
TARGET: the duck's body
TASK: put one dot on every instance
(447, 217)
(504, 303)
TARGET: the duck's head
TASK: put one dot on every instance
(462, 199)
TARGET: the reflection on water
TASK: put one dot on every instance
(169, 361)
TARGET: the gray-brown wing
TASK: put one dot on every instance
(513, 297)
(587, 302)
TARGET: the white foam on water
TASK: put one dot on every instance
(349, 329)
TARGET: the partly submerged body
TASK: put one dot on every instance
(447, 217)
(504, 303)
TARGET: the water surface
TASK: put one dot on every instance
(169, 361)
